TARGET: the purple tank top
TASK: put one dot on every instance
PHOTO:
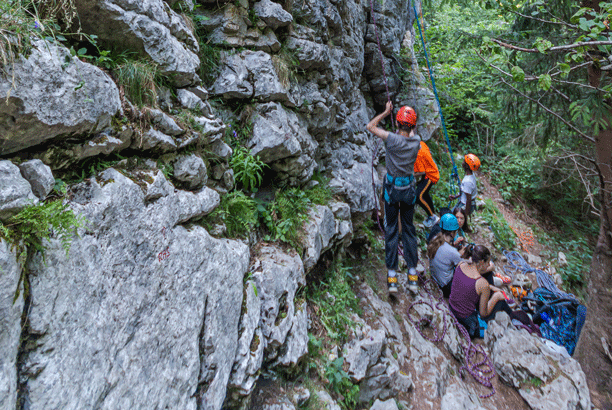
(463, 297)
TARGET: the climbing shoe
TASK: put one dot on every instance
(392, 284)
(431, 221)
(413, 281)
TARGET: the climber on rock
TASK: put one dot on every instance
(399, 192)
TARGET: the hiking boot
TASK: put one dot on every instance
(413, 281)
(431, 221)
(392, 284)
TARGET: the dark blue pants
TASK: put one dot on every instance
(401, 202)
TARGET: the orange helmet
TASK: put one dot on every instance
(406, 116)
(472, 161)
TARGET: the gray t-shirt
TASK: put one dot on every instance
(468, 186)
(442, 266)
(401, 154)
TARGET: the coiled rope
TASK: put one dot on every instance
(482, 371)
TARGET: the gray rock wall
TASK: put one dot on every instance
(143, 311)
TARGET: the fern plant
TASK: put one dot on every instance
(285, 215)
(248, 169)
(239, 213)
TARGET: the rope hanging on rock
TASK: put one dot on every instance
(455, 173)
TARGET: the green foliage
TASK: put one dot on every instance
(577, 250)
(248, 169)
(138, 79)
(36, 223)
(285, 216)
(87, 168)
(341, 383)
(210, 56)
(239, 213)
(320, 193)
(335, 300)
(504, 236)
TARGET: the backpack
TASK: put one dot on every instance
(560, 318)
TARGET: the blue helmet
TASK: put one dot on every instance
(448, 222)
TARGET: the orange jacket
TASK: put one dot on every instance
(425, 163)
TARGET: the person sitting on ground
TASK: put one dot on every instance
(443, 257)
(469, 188)
(436, 228)
(402, 147)
(460, 241)
(426, 167)
(471, 296)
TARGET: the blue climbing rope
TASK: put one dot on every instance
(455, 174)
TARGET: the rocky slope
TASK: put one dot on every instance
(149, 309)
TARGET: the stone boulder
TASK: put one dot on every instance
(15, 191)
(545, 378)
(355, 185)
(272, 14)
(83, 100)
(274, 325)
(141, 310)
(39, 176)
(249, 74)
(231, 26)
(319, 230)
(149, 27)
(191, 171)
(282, 140)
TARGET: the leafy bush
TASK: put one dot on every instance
(335, 300)
(320, 193)
(284, 216)
(341, 383)
(36, 223)
(504, 235)
(239, 213)
(248, 170)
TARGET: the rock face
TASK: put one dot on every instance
(83, 98)
(142, 309)
(15, 191)
(149, 27)
(10, 324)
(545, 378)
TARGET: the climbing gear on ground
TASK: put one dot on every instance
(516, 263)
(472, 161)
(392, 284)
(522, 281)
(505, 279)
(406, 116)
(567, 316)
(413, 281)
(449, 223)
(431, 221)
(518, 292)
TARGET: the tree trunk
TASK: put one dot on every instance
(597, 331)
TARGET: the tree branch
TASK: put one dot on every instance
(552, 49)
(559, 23)
(548, 110)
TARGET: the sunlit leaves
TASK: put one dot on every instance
(544, 82)
(518, 74)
